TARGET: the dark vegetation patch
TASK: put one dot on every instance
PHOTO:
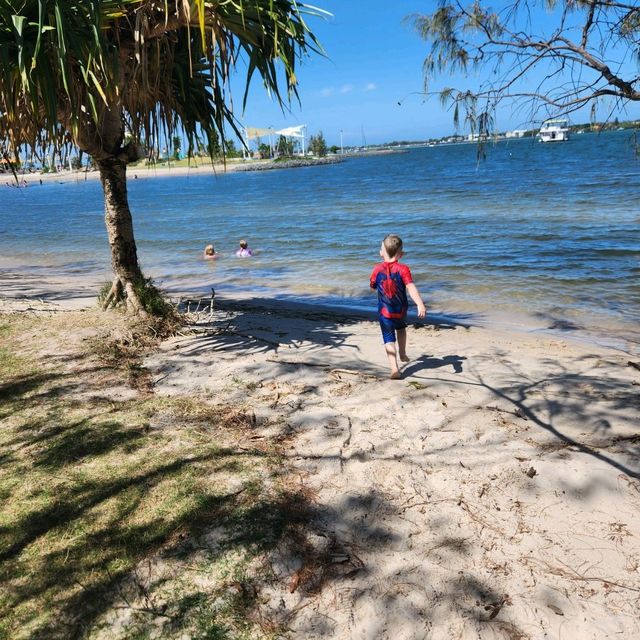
(122, 517)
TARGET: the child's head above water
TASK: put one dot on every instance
(209, 250)
(244, 251)
(391, 247)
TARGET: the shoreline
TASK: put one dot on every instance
(67, 293)
(164, 171)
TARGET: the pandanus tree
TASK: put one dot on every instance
(106, 75)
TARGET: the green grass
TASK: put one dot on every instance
(193, 163)
(10, 362)
(92, 488)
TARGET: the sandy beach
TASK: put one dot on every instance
(198, 167)
(142, 173)
(493, 492)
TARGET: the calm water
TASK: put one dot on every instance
(545, 231)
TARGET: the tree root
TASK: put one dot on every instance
(122, 292)
(115, 295)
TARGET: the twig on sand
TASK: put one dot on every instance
(348, 438)
(495, 607)
(631, 484)
(346, 443)
(160, 379)
(276, 398)
(327, 367)
(572, 574)
(352, 372)
(478, 519)
(303, 364)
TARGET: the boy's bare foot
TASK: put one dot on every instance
(396, 375)
(404, 357)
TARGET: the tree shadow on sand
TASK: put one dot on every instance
(579, 408)
(309, 545)
(547, 411)
(325, 552)
(272, 327)
(544, 401)
(85, 505)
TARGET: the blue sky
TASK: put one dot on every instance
(374, 60)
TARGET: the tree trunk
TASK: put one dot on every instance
(124, 257)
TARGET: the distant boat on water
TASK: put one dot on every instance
(554, 130)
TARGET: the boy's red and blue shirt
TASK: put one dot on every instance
(390, 279)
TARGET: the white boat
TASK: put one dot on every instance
(554, 131)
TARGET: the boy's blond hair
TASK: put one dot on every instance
(393, 245)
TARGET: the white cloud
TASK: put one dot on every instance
(326, 92)
(346, 88)
(371, 86)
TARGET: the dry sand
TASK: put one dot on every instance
(198, 168)
(133, 173)
(493, 492)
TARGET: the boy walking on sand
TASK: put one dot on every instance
(393, 281)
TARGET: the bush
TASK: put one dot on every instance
(151, 298)
(104, 292)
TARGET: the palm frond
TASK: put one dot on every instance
(160, 66)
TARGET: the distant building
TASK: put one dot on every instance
(516, 133)
(477, 137)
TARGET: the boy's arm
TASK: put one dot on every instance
(372, 278)
(412, 290)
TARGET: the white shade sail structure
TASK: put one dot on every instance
(289, 132)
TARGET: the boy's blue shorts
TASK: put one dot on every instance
(389, 327)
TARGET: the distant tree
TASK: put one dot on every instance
(318, 145)
(230, 149)
(583, 51)
(285, 146)
(213, 145)
(334, 149)
(264, 150)
(104, 75)
(177, 144)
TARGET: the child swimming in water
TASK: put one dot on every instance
(209, 253)
(244, 251)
